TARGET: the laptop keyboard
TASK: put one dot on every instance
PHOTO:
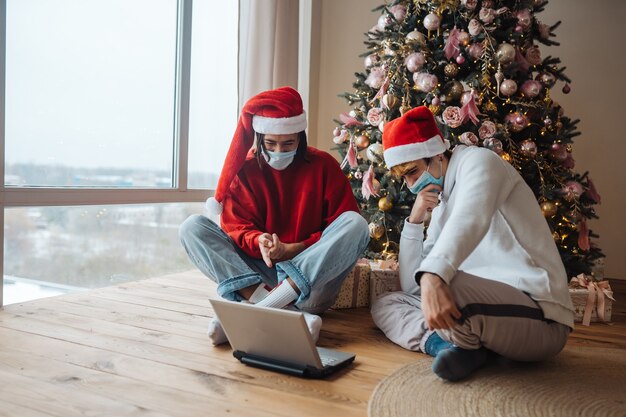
(327, 360)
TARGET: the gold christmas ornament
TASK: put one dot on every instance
(376, 186)
(505, 54)
(451, 70)
(548, 208)
(434, 109)
(490, 107)
(454, 90)
(377, 230)
(384, 204)
(362, 141)
(390, 101)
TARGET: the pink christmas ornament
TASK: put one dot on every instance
(493, 144)
(566, 89)
(508, 88)
(371, 60)
(531, 88)
(460, 59)
(425, 82)
(475, 50)
(383, 21)
(516, 121)
(432, 21)
(399, 12)
(415, 61)
(375, 78)
(558, 152)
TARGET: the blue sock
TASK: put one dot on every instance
(455, 363)
(435, 344)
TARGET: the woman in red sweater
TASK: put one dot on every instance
(290, 226)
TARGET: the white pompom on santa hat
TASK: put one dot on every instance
(277, 112)
(412, 136)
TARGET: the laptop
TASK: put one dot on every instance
(277, 340)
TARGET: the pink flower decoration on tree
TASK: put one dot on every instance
(468, 138)
(533, 55)
(348, 120)
(592, 192)
(487, 129)
(452, 50)
(574, 188)
(470, 111)
(352, 155)
(368, 184)
(452, 116)
(375, 116)
(583, 235)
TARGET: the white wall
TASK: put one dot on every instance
(592, 40)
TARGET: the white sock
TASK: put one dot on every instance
(216, 333)
(279, 297)
(313, 322)
(259, 293)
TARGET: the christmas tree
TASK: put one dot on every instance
(478, 67)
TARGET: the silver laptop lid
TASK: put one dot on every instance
(267, 332)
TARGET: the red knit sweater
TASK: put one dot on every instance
(296, 203)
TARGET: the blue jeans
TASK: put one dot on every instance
(318, 271)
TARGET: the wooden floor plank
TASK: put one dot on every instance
(140, 349)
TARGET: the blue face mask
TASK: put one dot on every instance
(279, 160)
(426, 179)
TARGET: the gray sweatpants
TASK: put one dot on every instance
(495, 315)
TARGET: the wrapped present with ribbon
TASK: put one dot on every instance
(355, 290)
(592, 299)
(384, 277)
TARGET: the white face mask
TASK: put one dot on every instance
(279, 160)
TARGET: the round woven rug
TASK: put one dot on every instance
(578, 382)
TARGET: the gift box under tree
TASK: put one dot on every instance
(384, 277)
(593, 300)
(355, 290)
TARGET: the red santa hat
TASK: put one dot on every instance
(277, 112)
(412, 136)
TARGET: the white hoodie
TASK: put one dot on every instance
(488, 224)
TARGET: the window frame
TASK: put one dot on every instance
(76, 196)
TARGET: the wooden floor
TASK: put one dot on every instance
(140, 349)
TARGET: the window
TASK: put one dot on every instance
(117, 118)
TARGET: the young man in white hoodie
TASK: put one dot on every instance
(489, 276)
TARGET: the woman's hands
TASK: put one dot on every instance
(425, 201)
(273, 250)
(440, 310)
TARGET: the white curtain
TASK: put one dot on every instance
(268, 46)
